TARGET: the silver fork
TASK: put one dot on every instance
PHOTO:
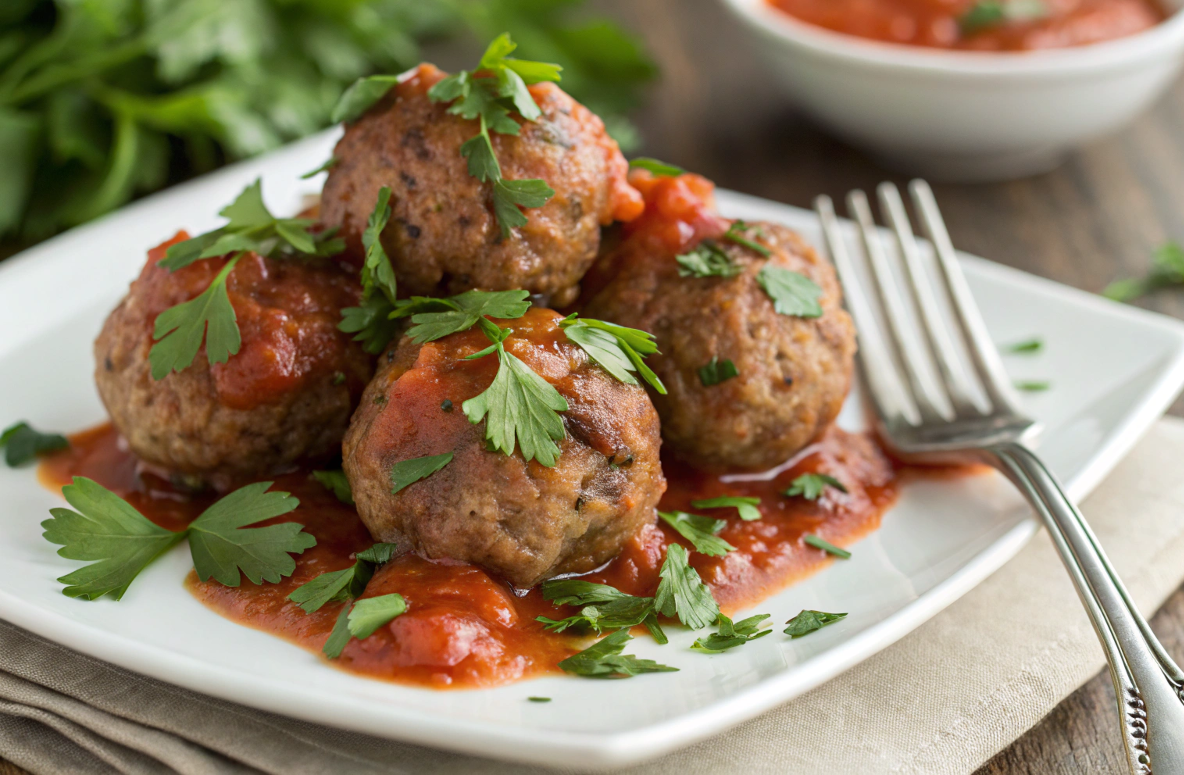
(921, 374)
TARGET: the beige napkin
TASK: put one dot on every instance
(942, 700)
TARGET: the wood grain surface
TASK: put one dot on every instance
(1093, 220)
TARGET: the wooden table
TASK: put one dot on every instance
(1096, 218)
(716, 111)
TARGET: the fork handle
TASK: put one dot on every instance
(1146, 681)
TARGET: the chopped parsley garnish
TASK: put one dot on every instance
(700, 531)
(730, 635)
(342, 584)
(371, 323)
(746, 506)
(716, 371)
(603, 608)
(792, 293)
(826, 546)
(618, 350)
(250, 226)
(682, 593)
(990, 13)
(538, 699)
(736, 233)
(659, 168)
(336, 483)
(810, 486)
(520, 408)
(22, 444)
(1167, 269)
(1032, 385)
(490, 93)
(434, 319)
(604, 659)
(808, 621)
(361, 620)
(406, 472)
(1026, 347)
(120, 542)
(329, 164)
(707, 259)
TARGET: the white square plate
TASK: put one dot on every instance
(1113, 370)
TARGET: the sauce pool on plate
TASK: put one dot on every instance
(464, 628)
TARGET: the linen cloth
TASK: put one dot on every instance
(942, 700)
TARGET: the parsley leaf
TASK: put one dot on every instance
(378, 554)
(736, 233)
(434, 319)
(618, 350)
(520, 408)
(489, 94)
(222, 545)
(810, 486)
(339, 636)
(604, 607)
(342, 584)
(539, 699)
(1026, 347)
(793, 293)
(707, 259)
(991, 13)
(700, 531)
(746, 506)
(682, 593)
(826, 546)
(579, 592)
(1032, 385)
(716, 371)
(604, 659)
(370, 613)
(329, 164)
(336, 483)
(105, 529)
(730, 635)
(179, 330)
(406, 472)
(22, 444)
(361, 96)
(370, 323)
(1167, 269)
(808, 621)
(659, 168)
(377, 271)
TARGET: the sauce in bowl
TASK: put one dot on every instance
(980, 25)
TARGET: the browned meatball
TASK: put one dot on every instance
(442, 236)
(521, 520)
(285, 397)
(794, 372)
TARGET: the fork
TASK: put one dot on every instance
(939, 395)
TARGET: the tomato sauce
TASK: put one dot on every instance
(464, 628)
(975, 25)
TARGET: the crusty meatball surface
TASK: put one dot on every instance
(521, 520)
(442, 236)
(284, 398)
(794, 372)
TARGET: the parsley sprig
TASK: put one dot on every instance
(491, 93)
(618, 350)
(682, 593)
(746, 506)
(180, 330)
(361, 620)
(702, 532)
(810, 486)
(120, 542)
(708, 259)
(603, 608)
(604, 659)
(1167, 269)
(729, 635)
(433, 318)
(22, 444)
(792, 293)
(344, 584)
(371, 322)
(808, 621)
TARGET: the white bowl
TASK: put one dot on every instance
(957, 115)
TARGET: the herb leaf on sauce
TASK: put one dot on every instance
(610, 607)
(682, 593)
(434, 319)
(700, 531)
(810, 486)
(707, 259)
(520, 408)
(106, 531)
(658, 168)
(406, 472)
(716, 371)
(335, 482)
(792, 293)
(23, 444)
(618, 349)
(370, 613)
(826, 546)
(730, 635)
(223, 545)
(808, 621)
(604, 659)
(746, 506)
(737, 233)
(344, 584)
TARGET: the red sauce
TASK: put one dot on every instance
(464, 628)
(939, 23)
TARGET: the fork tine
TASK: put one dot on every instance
(941, 347)
(886, 392)
(892, 303)
(982, 350)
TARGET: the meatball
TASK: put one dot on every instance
(793, 372)
(284, 398)
(520, 520)
(442, 236)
